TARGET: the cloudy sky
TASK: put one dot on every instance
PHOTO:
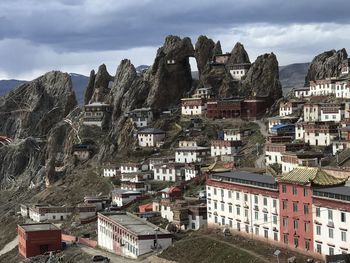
(77, 35)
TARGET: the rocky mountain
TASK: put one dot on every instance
(79, 83)
(293, 76)
(326, 65)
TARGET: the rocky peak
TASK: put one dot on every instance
(34, 107)
(170, 76)
(238, 55)
(262, 79)
(98, 85)
(326, 65)
(204, 51)
(217, 49)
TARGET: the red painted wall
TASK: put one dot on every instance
(299, 215)
(30, 244)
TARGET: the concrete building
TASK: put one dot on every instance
(142, 117)
(302, 92)
(193, 106)
(171, 172)
(320, 133)
(188, 144)
(122, 197)
(197, 215)
(292, 160)
(233, 134)
(238, 71)
(191, 154)
(204, 93)
(129, 236)
(40, 213)
(159, 160)
(100, 202)
(342, 89)
(130, 168)
(221, 147)
(244, 202)
(95, 112)
(191, 171)
(322, 87)
(289, 107)
(283, 130)
(109, 170)
(82, 151)
(274, 151)
(150, 137)
(278, 120)
(37, 239)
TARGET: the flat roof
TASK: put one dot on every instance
(242, 175)
(39, 227)
(192, 148)
(338, 190)
(135, 224)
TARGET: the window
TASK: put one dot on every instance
(265, 201)
(295, 190)
(331, 251)
(330, 232)
(306, 191)
(318, 212)
(265, 217)
(319, 248)
(330, 214)
(237, 195)
(216, 220)
(222, 207)
(306, 209)
(342, 217)
(214, 191)
(215, 205)
(274, 219)
(275, 236)
(257, 231)
(274, 203)
(343, 236)
(230, 208)
(256, 199)
(238, 226)
(222, 193)
(246, 212)
(296, 242)
(222, 220)
(256, 213)
(238, 210)
(229, 194)
(285, 238)
(306, 227)
(285, 221)
(230, 222)
(284, 188)
(307, 244)
(284, 204)
(295, 207)
(247, 228)
(245, 197)
(295, 224)
(266, 233)
(318, 230)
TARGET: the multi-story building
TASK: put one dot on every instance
(233, 134)
(283, 130)
(204, 93)
(238, 71)
(122, 197)
(292, 160)
(342, 89)
(159, 160)
(221, 147)
(130, 236)
(322, 87)
(245, 202)
(196, 154)
(193, 106)
(95, 112)
(278, 120)
(171, 172)
(302, 92)
(40, 213)
(109, 170)
(219, 109)
(141, 117)
(274, 151)
(289, 107)
(150, 137)
(319, 133)
(130, 168)
(191, 171)
(197, 215)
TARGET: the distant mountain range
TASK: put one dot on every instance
(291, 76)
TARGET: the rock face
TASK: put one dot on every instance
(98, 87)
(262, 79)
(35, 107)
(170, 76)
(238, 55)
(326, 65)
(204, 51)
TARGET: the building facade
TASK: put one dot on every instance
(222, 147)
(191, 154)
(150, 137)
(193, 106)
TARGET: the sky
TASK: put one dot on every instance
(37, 36)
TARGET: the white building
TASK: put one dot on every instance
(197, 216)
(292, 160)
(238, 71)
(122, 197)
(289, 107)
(233, 134)
(188, 144)
(331, 213)
(40, 213)
(130, 236)
(302, 92)
(320, 133)
(109, 171)
(191, 154)
(278, 120)
(274, 151)
(130, 168)
(342, 89)
(221, 147)
(312, 112)
(244, 202)
(193, 106)
(322, 87)
(141, 117)
(204, 93)
(150, 137)
(191, 171)
(95, 112)
(170, 172)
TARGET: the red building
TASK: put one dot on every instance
(146, 208)
(36, 239)
(254, 108)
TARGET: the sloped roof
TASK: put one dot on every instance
(217, 167)
(314, 175)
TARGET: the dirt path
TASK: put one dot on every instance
(260, 162)
(9, 246)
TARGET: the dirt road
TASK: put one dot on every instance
(9, 246)
(260, 162)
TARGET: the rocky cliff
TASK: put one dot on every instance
(326, 65)
(238, 55)
(204, 51)
(262, 79)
